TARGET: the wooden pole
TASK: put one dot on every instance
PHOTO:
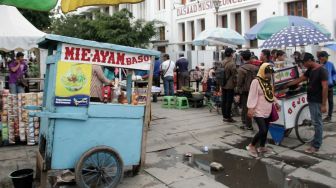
(147, 115)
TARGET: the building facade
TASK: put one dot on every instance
(183, 20)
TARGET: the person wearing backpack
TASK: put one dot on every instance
(246, 73)
(228, 84)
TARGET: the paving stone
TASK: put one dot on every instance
(327, 150)
(202, 181)
(297, 159)
(326, 168)
(291, 142)
(239, 152)
(156, 142)
(213, 144)
(141, 181)
(13, 154)
(210, 133)
(180, 139)
(311, 176)
(173, 174)
(233, 139)
(183, 149)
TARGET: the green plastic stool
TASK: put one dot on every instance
(182, 103)
(168, 102)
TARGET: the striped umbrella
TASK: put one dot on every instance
(266, 28)
(295, 36)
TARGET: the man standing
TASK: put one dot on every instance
(323, 58)
(17, 71)
(182, 72)
(167, 72)
(156, 76)
(246, 73)
(228, 84)
(317, 94)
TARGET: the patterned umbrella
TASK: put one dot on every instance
(266, 28)
(295, 36)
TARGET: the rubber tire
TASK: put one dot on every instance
(297, 126)
(92, 151)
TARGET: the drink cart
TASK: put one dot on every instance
(97, 140)
(294, 113)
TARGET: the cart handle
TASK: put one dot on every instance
(50, 115)
(31, 107)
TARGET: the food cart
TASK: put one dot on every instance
(97, 140)
(294, 113)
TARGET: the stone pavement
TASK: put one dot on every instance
(174, 133)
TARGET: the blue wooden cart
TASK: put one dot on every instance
(97, 140)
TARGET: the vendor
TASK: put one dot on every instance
(18, 69)
(97, 82)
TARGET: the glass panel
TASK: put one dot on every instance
(224, 21)
(238, 22)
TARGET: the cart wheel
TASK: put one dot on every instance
(99, 167)
(288, 132)
(303, 126)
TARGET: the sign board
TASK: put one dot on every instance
(200, 6)
(73, 83)
(103, 57)
(285, 75)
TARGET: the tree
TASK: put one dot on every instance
(41, 20)
(117, 29)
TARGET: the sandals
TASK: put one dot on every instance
(311, 150)
(252, 152)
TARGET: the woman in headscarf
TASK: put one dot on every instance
(259, 104)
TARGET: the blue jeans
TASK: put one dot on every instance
(316, 117)
(168, 83)
(15, 89)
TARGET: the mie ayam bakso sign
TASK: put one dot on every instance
(204, 5)
(103, 57)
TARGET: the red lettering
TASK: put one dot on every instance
(298, 101)
(85, 52)
(96, 57)
(77, 54)
(128, 61)
(146, 58)
(104, 55)
(293, 104)
(69, 51)
(121, 58)
(134, 60)
(303, 100)
(111, 58)
(290, 111)
(140, 59)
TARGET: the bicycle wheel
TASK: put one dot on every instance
(304, 128)
(100, 167)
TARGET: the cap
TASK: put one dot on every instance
(229, 51)
(323, 54)
(307, 57)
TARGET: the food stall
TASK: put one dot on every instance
(294, 113)
(98, 140)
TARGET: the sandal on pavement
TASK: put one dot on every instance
(265, 150)
(252, 152)
(311, 150)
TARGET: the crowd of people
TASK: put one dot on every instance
(249, 84)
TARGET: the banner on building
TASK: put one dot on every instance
(73, 83)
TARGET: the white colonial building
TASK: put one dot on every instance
(183, 20)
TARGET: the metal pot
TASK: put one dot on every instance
(197, 96)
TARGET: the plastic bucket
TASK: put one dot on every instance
(22, 178)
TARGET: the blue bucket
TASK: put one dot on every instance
(277, 133)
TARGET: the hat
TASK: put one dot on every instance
(307, 57)
(229, 51)
(323, 54)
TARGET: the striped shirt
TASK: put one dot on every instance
(97, 81)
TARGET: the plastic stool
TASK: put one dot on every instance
(168, 102)
(182, 103)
